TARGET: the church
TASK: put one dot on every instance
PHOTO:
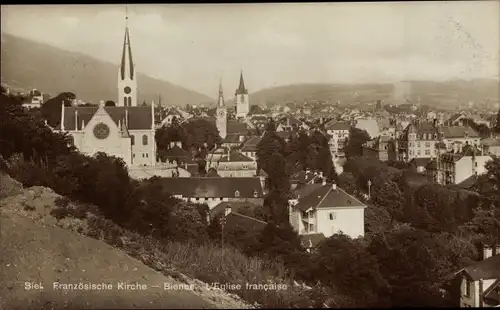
(126, 130)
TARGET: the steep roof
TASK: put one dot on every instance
(139, 118)
(236, 157)
(468, 183)
(200, 187)
(241, 87)
(486, 269)
(458, 132)
(324, 196)
(251, 144)
(236, 127)
(127, 68)
(235, 206)
(491, 141)
(335, 125)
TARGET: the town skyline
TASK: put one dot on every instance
(332, 43)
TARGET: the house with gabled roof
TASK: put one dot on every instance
(480, 281)
(234, 164)
(213, 191)
(327, 209)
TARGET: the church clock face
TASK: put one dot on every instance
(101, 131)
(221, 113)
(127, 90)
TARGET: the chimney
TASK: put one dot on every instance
(334, 186)
(227, 211)
(487, 251)
(324, 182)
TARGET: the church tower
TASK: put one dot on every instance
(242, 102)
(127, 78)
(221, 121)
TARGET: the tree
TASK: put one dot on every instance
(199, 134)
(389, 196)
(24, 133)
(415, 264)
(110, 103)
(488, 184)
(51, 109)
(357, 138)
(497, 125)
(346, 264)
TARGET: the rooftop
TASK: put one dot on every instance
(318, 196)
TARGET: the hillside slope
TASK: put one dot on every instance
(35, 253)
(36, 247)
(26, 64)
(435, 94)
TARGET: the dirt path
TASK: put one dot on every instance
(32, 252)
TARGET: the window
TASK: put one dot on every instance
(236, 193)
(467, 288)
(133, 155)
(427, 152)
(146, 155)
(255, 194)
(427, 144)
(144, 140)
(245, 166)
(125, 101)
(418, 152)
(132, 140)
(475, 164)
(332, 216)
(311, 227)
(142, 155)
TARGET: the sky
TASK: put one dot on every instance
(195, 45)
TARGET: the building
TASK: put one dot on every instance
(126, 131)
(418, 141)
(323, 208)
(213, 191)
(456, 168)
(457, 137)
(249, 148)
(491, 146)
(382, 148)
(339, 133)
(127, 77)
(480, 282)
(234, 164)
(34, 99)
(232, 132)
(242, 100)
(221, 111)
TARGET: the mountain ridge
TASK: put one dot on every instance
(27, 64)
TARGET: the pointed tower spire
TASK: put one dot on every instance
(127, 64)
(220, 101)
(241, 88)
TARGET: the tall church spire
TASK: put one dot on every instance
(220, 101)
(127, 70)
(127, 80)
(241, 88)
